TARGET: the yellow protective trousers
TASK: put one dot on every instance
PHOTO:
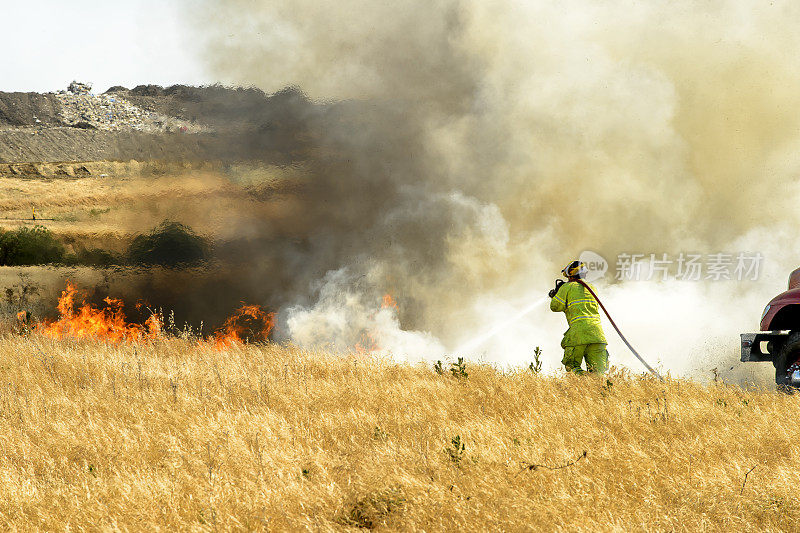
(596, 357)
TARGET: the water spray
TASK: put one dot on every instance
(491, 332)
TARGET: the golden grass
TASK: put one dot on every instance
(173, 436)
(112, 208)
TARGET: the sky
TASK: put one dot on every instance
(48, 43)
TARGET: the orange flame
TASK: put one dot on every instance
(367, 342)
(89, 322)
(389, 303)
(250, 323)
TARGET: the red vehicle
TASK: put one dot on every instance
(779, 338)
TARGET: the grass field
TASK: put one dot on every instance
(175, 435)
(106, 210)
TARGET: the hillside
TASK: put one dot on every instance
(174, 435)
(148, 122)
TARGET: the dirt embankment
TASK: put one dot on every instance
(28, 109)
(73, 144)
(178, 123)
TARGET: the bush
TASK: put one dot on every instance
(29, 246)
(459, 369)
(536, 365)
(96, 257)
(170, 244)
(456, 450)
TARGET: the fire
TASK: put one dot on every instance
(250, 323)
(108, 323)
(389, 303)
(368, 343)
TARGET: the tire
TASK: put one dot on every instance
(788, 353)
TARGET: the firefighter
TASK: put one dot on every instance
(584, 339)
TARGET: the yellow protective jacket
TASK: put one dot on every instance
(582, 313)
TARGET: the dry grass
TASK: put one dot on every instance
(172, 436)
(108, 209)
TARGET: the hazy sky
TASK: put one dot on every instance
(47, 43)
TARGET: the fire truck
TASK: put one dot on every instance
(779, 338)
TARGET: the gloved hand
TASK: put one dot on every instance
(553, 292)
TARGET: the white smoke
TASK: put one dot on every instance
(342, 320)
(552, 128)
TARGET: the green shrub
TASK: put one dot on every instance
(29, 246)
(170, 244)
(459, 369)
(536, 365)
(95, 257)
(456, 450)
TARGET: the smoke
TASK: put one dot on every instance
(469, 149)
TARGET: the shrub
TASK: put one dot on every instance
(29, 246)
(536, 365)
(94, 257)
(459, 369)
(456, 450)
(170, 244)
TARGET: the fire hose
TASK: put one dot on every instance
(621, 336)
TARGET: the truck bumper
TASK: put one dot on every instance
(756, 346)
